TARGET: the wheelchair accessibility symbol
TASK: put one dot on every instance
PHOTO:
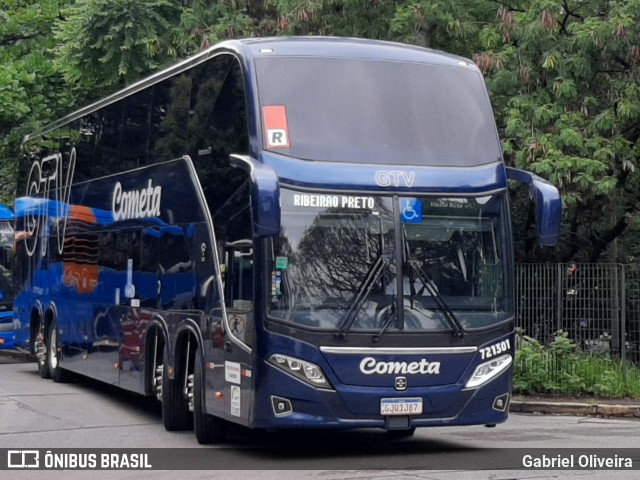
(411, 210)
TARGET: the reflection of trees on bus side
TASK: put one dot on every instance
(200, 113)
(173, 120)
(205, 118)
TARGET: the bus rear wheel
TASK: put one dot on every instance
(175, 405)
(209, 429)
(53, 354)
(40, 351)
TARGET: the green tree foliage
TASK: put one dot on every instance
(31, 89)
(564, 80)
(106, 43)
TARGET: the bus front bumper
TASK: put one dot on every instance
(293, 404)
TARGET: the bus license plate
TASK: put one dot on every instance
(400, 406)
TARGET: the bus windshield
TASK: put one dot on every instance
(336, 262)
(382, 112)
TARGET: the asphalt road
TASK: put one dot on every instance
(40, 414)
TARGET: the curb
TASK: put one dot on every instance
(571, 408)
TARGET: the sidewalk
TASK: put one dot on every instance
(595, 407)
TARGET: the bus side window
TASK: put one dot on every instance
(239, 274)
(6, 261)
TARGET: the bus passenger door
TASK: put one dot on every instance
(239, 290)
(233, 342)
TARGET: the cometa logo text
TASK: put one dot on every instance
(370, 365)
(142, 203)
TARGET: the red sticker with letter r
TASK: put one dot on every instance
(275, 126)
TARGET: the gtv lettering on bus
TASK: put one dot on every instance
(395, 178)
(333, 201)
(370, 365)
(132, 204)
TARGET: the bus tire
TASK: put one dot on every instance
(53, 354)
(208, 428)
(41, 347)
(175, 406)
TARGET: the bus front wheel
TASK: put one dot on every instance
(209, 429)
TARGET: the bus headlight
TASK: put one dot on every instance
(306, 371)
(488, 370)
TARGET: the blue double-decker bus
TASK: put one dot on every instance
(280, 233)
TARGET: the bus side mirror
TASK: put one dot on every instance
(265, 195)
(548, 205)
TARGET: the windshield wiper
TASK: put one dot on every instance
(374, 273)
(456, 326)
(390, 317)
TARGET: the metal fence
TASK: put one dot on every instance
(598, 305)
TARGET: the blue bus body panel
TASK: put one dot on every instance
(6, 213)
(380, 179)
(354, 398)
(445, 369)
(86, 285)
(334, 47)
